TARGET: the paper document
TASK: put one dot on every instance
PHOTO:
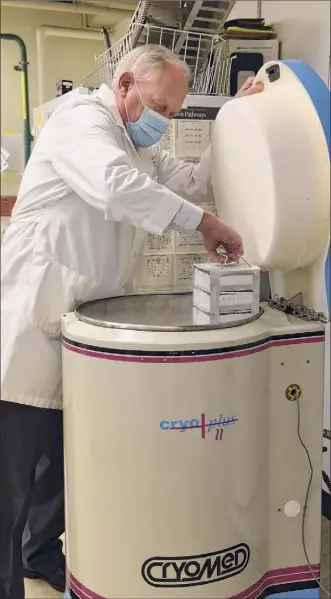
(156, 274)
(159, 244)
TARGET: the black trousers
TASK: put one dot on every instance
(31, 494)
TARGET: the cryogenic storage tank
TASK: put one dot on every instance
(184, 473)
(187, 471)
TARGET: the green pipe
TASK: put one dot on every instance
(25, 91)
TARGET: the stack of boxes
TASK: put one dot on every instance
(224, 293)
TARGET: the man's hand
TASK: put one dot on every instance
(248, 88)
(215, 234)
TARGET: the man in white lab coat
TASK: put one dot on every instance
(95, 184)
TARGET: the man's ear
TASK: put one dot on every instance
(125, 82)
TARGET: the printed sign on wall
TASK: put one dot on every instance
(167, 263)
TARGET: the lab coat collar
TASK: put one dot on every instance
(107, 97)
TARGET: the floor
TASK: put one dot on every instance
(36, 589)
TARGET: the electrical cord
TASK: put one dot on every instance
(311, 474)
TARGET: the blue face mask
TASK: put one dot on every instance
(148, 129)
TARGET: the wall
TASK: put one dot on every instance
(120, 29)
(66, 59)
(303, 28)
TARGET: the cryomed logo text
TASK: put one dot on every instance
(196, 569)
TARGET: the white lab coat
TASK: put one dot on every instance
(86, 200)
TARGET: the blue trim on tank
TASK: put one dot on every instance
(320, 97)
(303, 594)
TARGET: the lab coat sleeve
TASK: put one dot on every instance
(99, 171)
(191, 181)
(187, 219)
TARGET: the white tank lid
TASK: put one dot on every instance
(271, 172)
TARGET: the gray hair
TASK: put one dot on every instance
(143, 59)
